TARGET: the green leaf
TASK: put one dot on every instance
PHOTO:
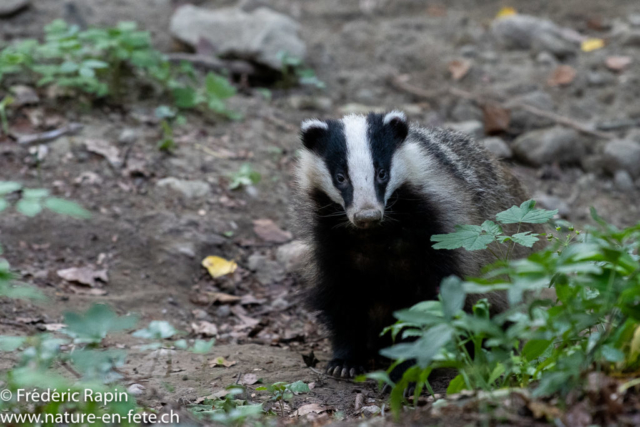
(164, 112)
(453, 296)
(68, 67)
(7, 187)
(36, 193)
(184, 97)
(66, 207)
(87, 72)
(218, 86)
(470, 237)
(94, 325)
(11, 343)
(424, 349)
(525, 214)
(298, 387)
(525, 239)
(94, 63)
(29, 207)
(491, 227)
(3, 205)
(456, 385)
(534, 349)
(157, 329)
(496, 373)
(380, 376)
(202, 346)
(612, 354)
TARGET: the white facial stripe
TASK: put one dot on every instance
(395, 114)
(312, 171)
(313, 123)
(360, 163)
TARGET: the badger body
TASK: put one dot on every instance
(371, 191)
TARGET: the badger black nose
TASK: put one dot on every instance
(367, 218)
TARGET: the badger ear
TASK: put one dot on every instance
(312, 131)
(397, 121)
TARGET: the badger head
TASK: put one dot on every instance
(351, 161)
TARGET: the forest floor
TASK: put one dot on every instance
(151, 239)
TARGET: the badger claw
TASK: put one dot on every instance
(344, 368)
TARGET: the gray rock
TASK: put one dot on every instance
(266, 270)
(223, 311)
(128, 136)
(189, 189)
(546, 58)
(292, 255)
(595, 78)
(497, 147)
(11, 7)
(529, 32)
(469, 51)
(634, 19)
(465, 111)
(547, 201)
(623, 181)
(623, 154)
(631, 38)
(259, 35)
(522, 121)
(473, 128)
(546, 146)
(136, 389)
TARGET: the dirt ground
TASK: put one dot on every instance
(151, 240)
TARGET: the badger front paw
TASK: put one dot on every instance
(344, 368)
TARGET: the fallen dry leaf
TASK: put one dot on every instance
(249, 299)
(88, 178)
(312, 408)
(223, 298)
(249, 379)
(496, 119)
(618, 63)
(204, 328)
(105, 149)
(589, 45)
(221, 362)
(218, 266)
(270, 232)
(240, 313)
(83, 275)
(562, 76)
(459, 68)
(506, 11)
(543, 410)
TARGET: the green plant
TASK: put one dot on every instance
(281, 392)
(229, 410)
(245, 176)
(6, 101)
(295, 73)
(99, 61)
(538, 342)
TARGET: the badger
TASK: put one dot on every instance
(371, 190)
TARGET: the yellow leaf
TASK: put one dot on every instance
(634, 351)
(592, 44)
(506, 11)
(221, 362)
(218, 266)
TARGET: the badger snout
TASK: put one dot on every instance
(367, 218)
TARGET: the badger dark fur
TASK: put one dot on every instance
(371, 191)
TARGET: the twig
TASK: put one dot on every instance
(39, 138)
(71, 370)
(213, 63)
(484, 99)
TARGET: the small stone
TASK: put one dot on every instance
(259, 35)
(550, 202)
(189, 189)
(370, 410)
(136, 389)
(631, 38)
(469, 51)
(473, 128)
(546, 146)
(623, 154)
(497, 147)
(522, 31)
(223, 311)
(522, 121)
(128, 136)
(465, 111)
(266, 270)
(623, 181)
(595, 78)
(200, 314)
(634, 19)
(546, 58)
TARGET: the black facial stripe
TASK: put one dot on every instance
(383, 144)
(333, 149)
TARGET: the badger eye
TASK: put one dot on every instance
(340, 178)
(382, 175)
